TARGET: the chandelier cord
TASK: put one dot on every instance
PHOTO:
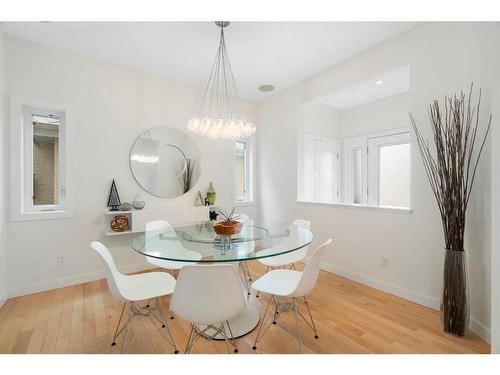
(220, 113)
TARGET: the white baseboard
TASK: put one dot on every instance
(411, 295)
(3, 299)
(41, 286)
(480, 329)
(429, 301)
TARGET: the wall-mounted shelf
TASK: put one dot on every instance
(138, 218)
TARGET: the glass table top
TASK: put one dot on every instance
(198, 242)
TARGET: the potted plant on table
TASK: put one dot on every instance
(229, 226)
(451, 168)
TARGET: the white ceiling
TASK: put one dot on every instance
(277, 53)
(382, 86)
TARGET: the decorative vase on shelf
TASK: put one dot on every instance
(211, 194)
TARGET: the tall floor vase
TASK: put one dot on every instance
(455, 303)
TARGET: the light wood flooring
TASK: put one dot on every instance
(350, 318)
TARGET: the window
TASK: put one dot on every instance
(321, 169)
(357, 172)
(389, 170)
(41, 173)
(43, 158)
(243, 172)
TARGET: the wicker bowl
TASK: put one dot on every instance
(223, 229)
(119, 223)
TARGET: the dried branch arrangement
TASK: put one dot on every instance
(185, 176)
(451, 169)
(230, 218)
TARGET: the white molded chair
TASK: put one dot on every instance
(290, 285)
(208, 296)
(133, 288)
(287, 258)
(161, 227)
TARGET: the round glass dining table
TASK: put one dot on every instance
(197, 243)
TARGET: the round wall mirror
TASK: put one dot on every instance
(165, 162)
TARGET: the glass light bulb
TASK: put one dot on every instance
(205, 125)
(247, 131)
(218, 126)
(194, 124)
(214, 130)
(233, 129)
(224, 133)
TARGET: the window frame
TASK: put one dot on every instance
(374, 144)
(28, 164)
(21, 161)
(249, 197)
(369, 193)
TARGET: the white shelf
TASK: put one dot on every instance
(137, 219)
(113, 213)
(111, 232)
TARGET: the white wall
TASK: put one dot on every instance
(495, 204)
(3, 245)
(321, 119)
(443, 58)
(384, 114)
(110, 106)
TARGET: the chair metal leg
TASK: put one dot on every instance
(259, 335)
(127, 328)
(118, 325)
(276, 308)
(190, 342)
(232, 336)
(312, 320)
(245, 277)
(296, 310)
(226, 339)
(160, 308)
(248, 271)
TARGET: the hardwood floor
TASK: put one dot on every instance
(350, 318)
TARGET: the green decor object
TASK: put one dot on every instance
(211, 194)
(114, 198)
(450, 161)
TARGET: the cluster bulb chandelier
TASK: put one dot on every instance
(220, 113)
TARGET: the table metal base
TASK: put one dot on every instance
(241, 325)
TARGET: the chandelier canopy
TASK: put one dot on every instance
(220, 115)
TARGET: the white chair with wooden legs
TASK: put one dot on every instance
(281, 261)
(161, 230)
(133, 288)
(291, 286)
(208, 296)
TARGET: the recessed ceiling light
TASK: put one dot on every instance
(266, 88)
(379, 82)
